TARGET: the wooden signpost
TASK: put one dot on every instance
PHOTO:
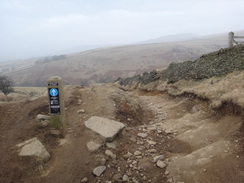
(56, 104)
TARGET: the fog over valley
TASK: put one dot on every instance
(43, 28)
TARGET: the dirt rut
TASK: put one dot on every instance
(213, 138)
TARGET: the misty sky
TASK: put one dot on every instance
(31, 28)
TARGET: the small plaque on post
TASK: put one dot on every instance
(54, 101)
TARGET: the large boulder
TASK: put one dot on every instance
(33, 147)
(106, 128)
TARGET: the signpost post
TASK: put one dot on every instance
(56, 104)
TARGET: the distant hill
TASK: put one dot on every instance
(173, 38)
(107, 64)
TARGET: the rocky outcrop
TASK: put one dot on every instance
(217, 63)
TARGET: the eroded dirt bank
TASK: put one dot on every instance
(195, 143)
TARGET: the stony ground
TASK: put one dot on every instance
(215, 64)
(166, 139)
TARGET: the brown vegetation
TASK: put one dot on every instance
(114, 62)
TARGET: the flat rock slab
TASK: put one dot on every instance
(33, 147)
(106, 128)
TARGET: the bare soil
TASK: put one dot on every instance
(199, 144)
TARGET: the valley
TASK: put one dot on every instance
(105, 65)
(182, 122)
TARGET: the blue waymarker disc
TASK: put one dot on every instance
(53, 92)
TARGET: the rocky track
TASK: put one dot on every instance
(166, 139)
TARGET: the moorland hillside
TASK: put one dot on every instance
(107, 64)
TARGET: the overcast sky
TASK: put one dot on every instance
(31, 28)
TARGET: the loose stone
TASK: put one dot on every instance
(152, 150)
(168, 131)
(111, 145)
(137, 153)
(99, 170)
(41, 117)
(84, 180)
(143, 135)
(117, 177)
(151, 142)
(79, 101)
(125, 178)
(138, 157)
(110, 154)
(161, 164)
(152, 128)
(194, 110)
(156, 158)
(92, 146)
(81, 111)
